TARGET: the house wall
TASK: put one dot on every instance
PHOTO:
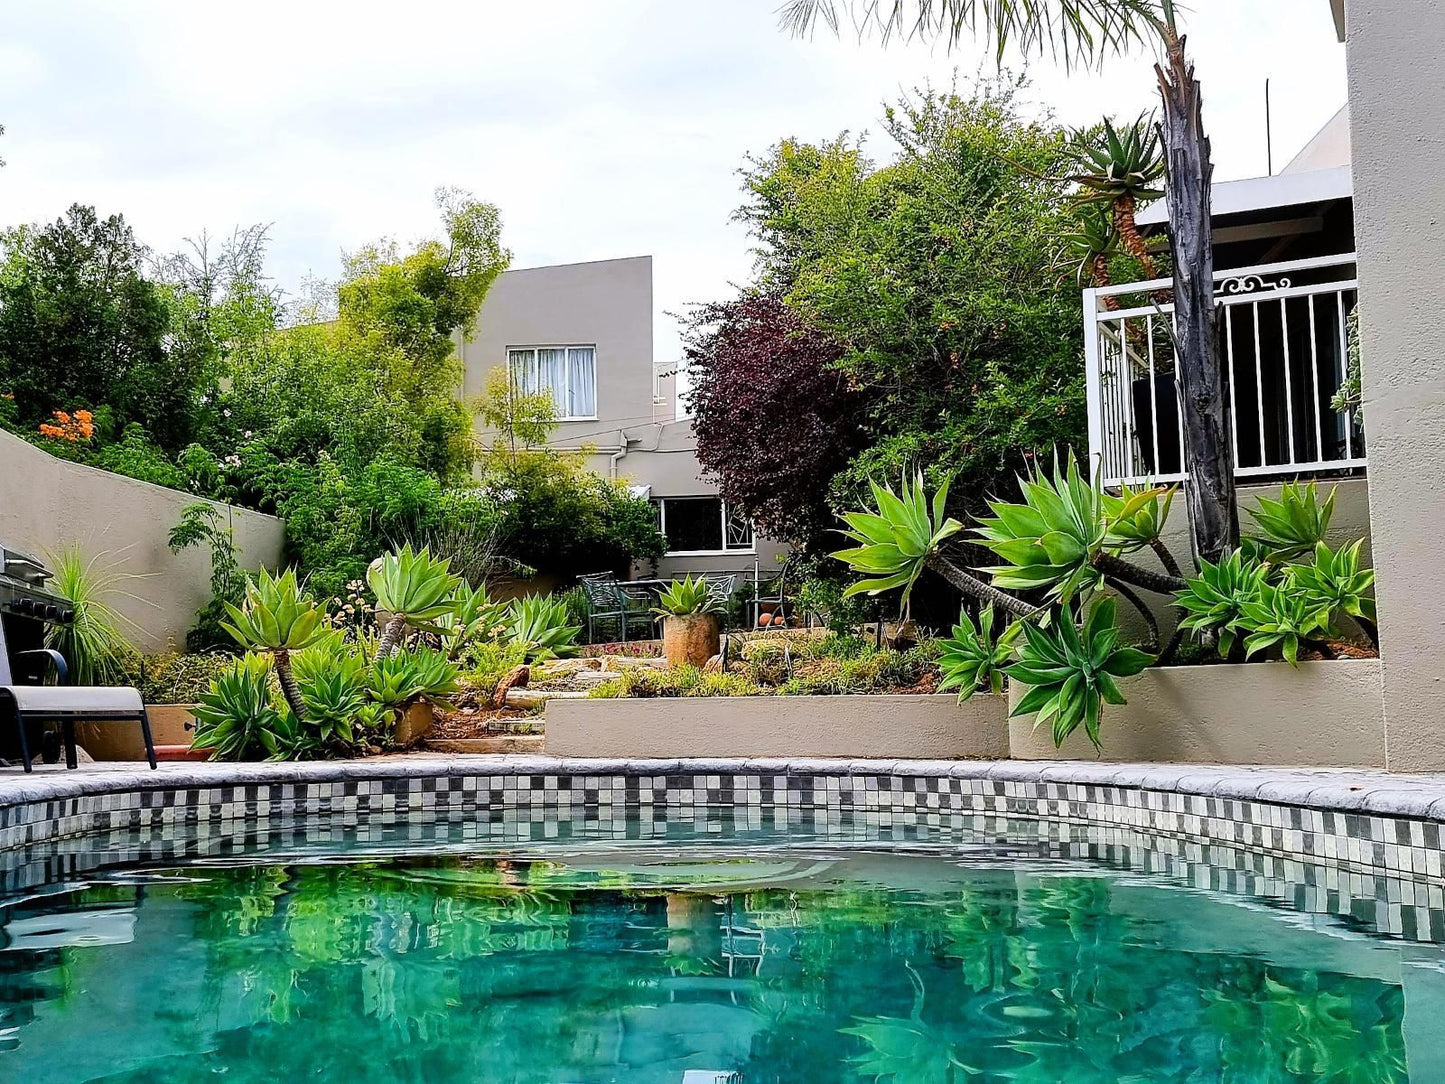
(1396, 83)
(634, 439)
(48, 503)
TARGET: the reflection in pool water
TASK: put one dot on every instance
(791, 964)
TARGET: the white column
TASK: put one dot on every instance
(1396, 51)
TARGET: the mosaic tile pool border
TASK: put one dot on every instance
(1384, 871)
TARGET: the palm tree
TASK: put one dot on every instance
(1084, 32)
(1115, 172)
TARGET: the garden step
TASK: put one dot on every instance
(535, 698)
(502, 743)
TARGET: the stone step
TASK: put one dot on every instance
(524, 699)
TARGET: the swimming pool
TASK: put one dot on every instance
(515, 936)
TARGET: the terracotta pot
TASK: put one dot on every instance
(123, 741)
(690, 640)
(413, 724)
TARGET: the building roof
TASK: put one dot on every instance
(1264, 193)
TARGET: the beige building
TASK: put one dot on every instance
(583, 332)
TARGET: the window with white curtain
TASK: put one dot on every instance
(568, 372)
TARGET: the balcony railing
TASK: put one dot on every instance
(1283, 337)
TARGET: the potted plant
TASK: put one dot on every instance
(689, 610)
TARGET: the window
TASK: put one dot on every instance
(568, 372)
(703, 525)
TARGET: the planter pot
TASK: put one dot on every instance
(896, 727)
(413, 724)
(170, 730)
(690, 640)
(1320, 714)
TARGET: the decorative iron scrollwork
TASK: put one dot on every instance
(1251, 284)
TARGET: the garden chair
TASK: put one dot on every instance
(69, 704)
(610, 600)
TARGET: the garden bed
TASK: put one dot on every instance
(898, 727)
(1326, 714)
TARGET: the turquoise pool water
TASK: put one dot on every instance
(787, 960)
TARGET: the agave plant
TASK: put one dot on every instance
(398, 680)
(475, 618)
(1136, 518)
(973, 658)
(1283, 616)
(334, 693)
(1336, 580)
(688, 596)
(540, 624)
(1117, 169)
(898, 538)
(235, 718)
(1295, 523)
(278, 616)
(1073, 669)
(1213, 601)
(415, 588)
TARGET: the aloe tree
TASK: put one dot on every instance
(278, 616)
(416, 589)
(1116, 170)
(1085, 32)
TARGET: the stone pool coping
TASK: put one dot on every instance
(1327, 789)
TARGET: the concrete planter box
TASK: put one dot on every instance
(1324, 714)
(897, 727)
(122, 741)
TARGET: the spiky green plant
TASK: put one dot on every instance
(1089, 248)
(540, 624)
(1295, 523)
(279, 617)
(476, 618)
(1117, 169)
(92, 643)
(896, 539)
(1052, 539)
(235, 718)
(334, 696)
(1135, 517)
(688, 596)
(1283, 616)
(1073, 669)
(1213, 601)
(973, 658)
(415, 588)
(1336, 580)
(398, 680)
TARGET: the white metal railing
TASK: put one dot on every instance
(1282, 333)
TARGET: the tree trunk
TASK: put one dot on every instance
(1099, 268)
(977, 588)
(391, 636)
(289, 688)
(1134, 243)
(1213, 518)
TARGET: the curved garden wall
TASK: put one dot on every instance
(47, 503)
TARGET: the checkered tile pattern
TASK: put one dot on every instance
(1382, 872)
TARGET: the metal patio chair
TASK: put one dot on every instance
(68, 705)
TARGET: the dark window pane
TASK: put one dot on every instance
(694, 523)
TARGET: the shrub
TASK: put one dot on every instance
(92, 642)
(646, 682)
(175, 678)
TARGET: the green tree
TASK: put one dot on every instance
(1085, 31)
(935, 273)
(82, 326)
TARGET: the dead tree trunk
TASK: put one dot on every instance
(1213, 518)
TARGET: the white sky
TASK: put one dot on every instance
(601, 128)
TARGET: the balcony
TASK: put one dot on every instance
(1282, 333)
